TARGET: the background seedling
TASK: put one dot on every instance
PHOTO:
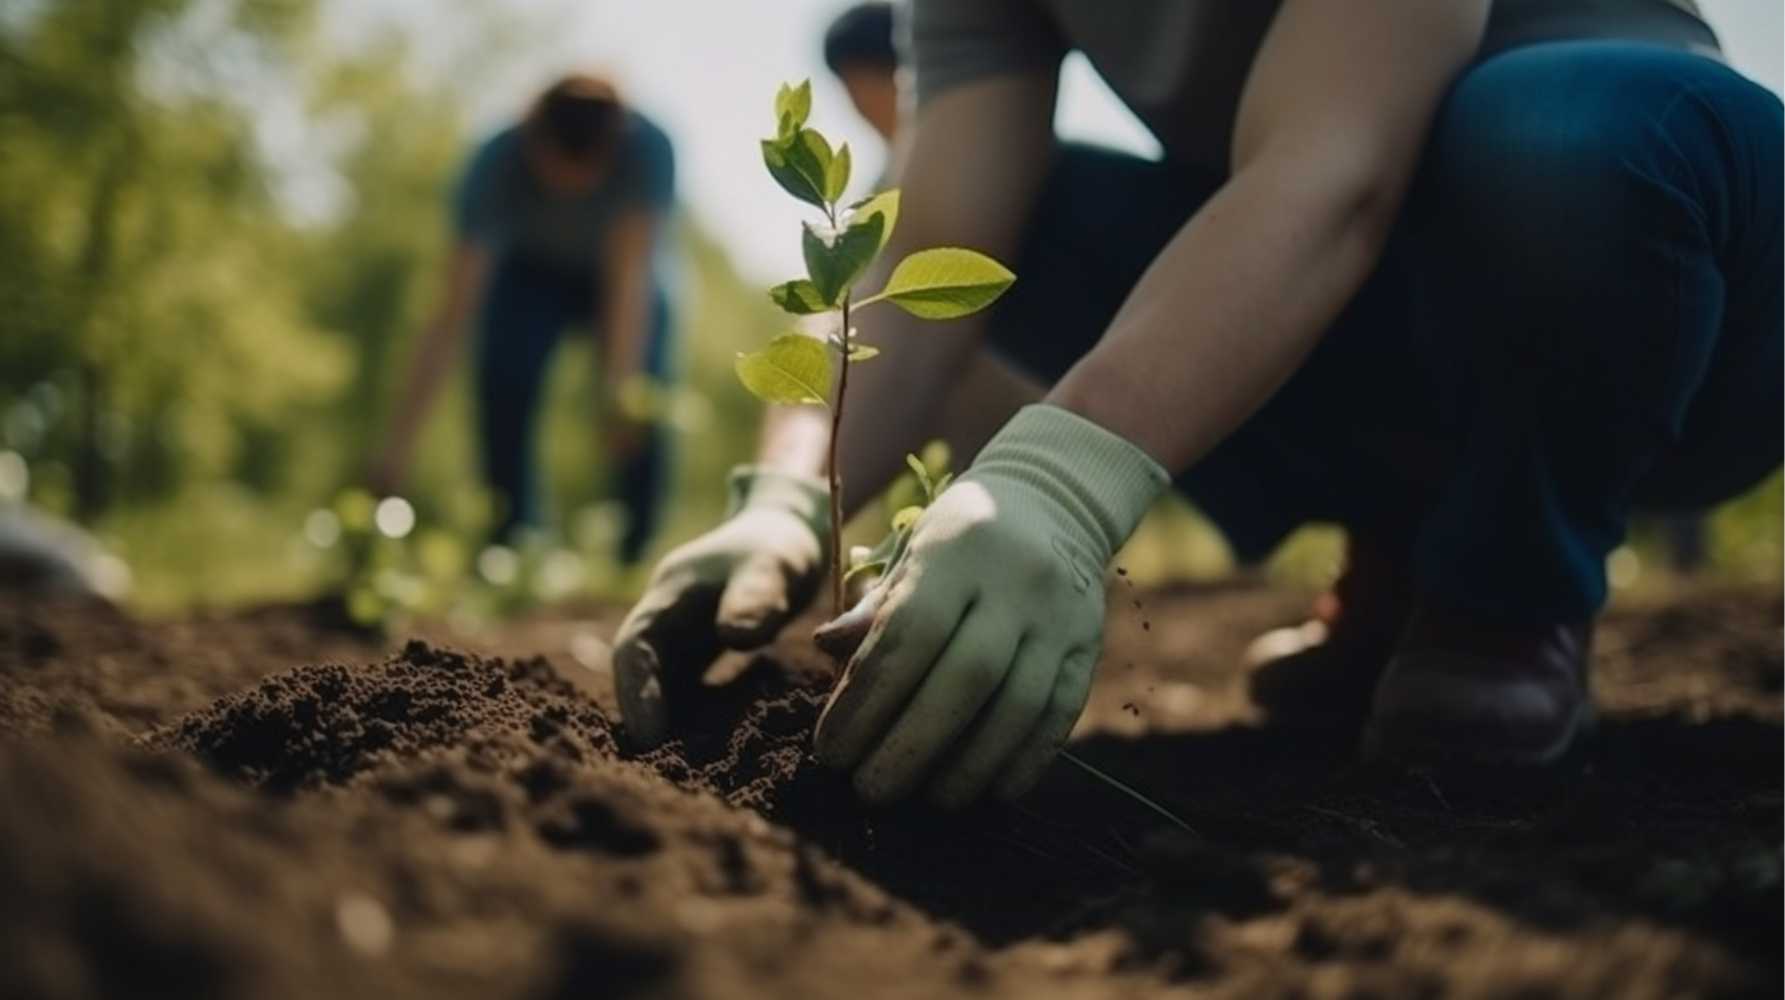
(937, 283)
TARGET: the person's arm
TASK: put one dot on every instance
(467, 274)
(629, 247)
(1330, 129)
(971, 660)
(947, 198)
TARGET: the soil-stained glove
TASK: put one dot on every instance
(981, 641)
(732, 588)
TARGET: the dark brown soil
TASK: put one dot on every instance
(257, 806)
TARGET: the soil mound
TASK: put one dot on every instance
(434, 824)
(326, 724)
(489, 741)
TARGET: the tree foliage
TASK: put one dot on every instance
(191, 357)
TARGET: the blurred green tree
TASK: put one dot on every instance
(150, 335)
(191, 359)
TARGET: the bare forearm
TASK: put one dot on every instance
(1327, 136)
(627, 325)
(793, 440)
(1226, 313)
(434, 355)
(627, 280)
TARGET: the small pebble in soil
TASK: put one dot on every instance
(699, 916)
(588, 650)
(475, 851)
(1177, 699)
(364, 924)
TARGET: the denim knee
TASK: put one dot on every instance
(1573, 202)
(1546, 156)
(1581, 215)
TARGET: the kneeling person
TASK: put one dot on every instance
(1473, 279)
(560, 220)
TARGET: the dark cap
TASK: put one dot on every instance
(861, 36)
(579, 116)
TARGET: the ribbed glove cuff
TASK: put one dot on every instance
(806, 498)
(1099, 478)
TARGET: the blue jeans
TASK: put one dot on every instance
(525, 314)
(1578, 314)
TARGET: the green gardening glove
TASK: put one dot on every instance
(731, 588)
(981, 640)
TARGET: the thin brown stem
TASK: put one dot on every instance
(836, 474)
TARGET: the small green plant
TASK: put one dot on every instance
(908, 497)
(388, 566)
(938, 283)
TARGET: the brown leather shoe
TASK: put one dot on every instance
(1462, 691)
(1323, 671)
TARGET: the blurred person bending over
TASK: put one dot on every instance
(1473, 278)
(859, 51)
(560, 220)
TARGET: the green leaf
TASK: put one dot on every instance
(883, 555)
(922, 474)
(793, 104)
(862, 352)
(886, 205)
(811, 153)
(945, 283)
(799, 297)
(906, 517)
(794, 180)
(354, 508)
(865, 566)
(936, 456)
(836, 174)
(800, 162)
(793, 369)
(835, 262)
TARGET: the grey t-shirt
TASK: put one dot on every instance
(500, 205)
(1180, 65)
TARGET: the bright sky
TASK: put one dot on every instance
(706, 70)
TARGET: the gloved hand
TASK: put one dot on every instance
(732, 588)
(981, 641)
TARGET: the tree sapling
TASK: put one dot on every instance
(795, 369)
(938, 283)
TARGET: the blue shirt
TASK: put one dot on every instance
(499, 203)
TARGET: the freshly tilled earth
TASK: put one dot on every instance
(258, 805)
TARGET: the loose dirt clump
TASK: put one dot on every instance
(325, 724)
